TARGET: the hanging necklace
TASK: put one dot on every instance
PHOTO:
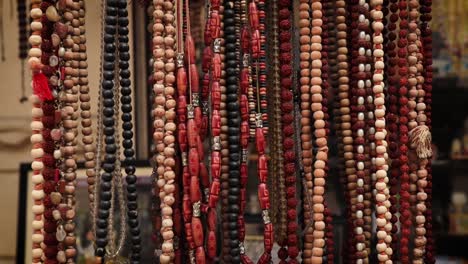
(426, 34)
(41, 92)
(23, 43)
(382, 203)
(392, 116)
(232, 108)
(163, 120)
(306, 137)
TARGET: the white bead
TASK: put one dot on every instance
(358, 230)
(37, 238)
(361, 67)
(37, 252)
(368, 51)
(37, 165)
(359, 261)
(380, 186)
(362, 35)
(359, 214)
(360, 165)
(370, 115)
(380, 123)
(167, 223)
(381, 149)
(379, 65)
(37, 225)
(388, 228)
(35, 52)
(37, 194)
(38, 209)
(36, 26)
(53, 61)
(360, 84)
(360, 132)
(35, 40)
(378, 88)
(34, 99)
(368, 82)
(381, 209)
(360, 149)
(380, 197)
(360, 116)
(36, 112)
(360, 246)
(380, 222)
(36, 125)
(379, 135)
(37, 178)
(378, 53)
(36, 138)
(381, 174)
(378, 39)
(57, 154)
(381, 247)
(360, 198)
(360, 100)
(61, 51)
(362, 18)
(381, 234)
(37, 153)
(36, 13)
(377, 77)
(360, 182)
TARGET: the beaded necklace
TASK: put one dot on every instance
(382, 203)
(392, 115)
(358, 125)
(57, 205)
(40, 92)
(164, 125)
(287, 133)
(426, 33)
(23, 43)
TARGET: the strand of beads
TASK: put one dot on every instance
(251, 92)
(245, 83)
(232, 108)
(85, 113)
(181, 77)
(108, 95)
(160, 134)
(426, 34)
(69, 121)
(276, 149)
(405, 214)
(37, 150)
(262, 72)
(383, 216)
(359, 124)
(326, 48)
(196, 168)
(288, 213)
(392, 116)
(420, 137)
(369, 130)
(23, 43)
(52, 137)
(319, 133)
(306, 137)
(213, 25)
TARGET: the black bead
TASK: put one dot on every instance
(111, 148)
(126, 117)
(124, 64)
(129, 152)
(109, 140)
(130, 169)
(125, 83)
(108, 102)
(101, 232)
(132, 205)
(100, 252)
(110, 47)
(125, 73)
(136, 248)
(107, 84)
(108, 66)
(125, 56)
(123, 21)
(132, 213)
(108, 111)
(132, 196)
(103, 213)
(101, 242)
(133, 222)
(131, 179)
(107, 176)
(106, 196)
(109, 38)
(104, 204)
(127, 143)
(110, 158)
(125, 90)
(109, 131)
(127, 133)
(110, 20)
(109, 57)
(235, 253)
(108, 168)
(136, 239)
(101, 224)
(108, 121)
(135, 231)
(106, 186)
(126, 99)
(234, 234)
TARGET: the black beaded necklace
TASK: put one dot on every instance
(234, 120)
(127, 133)
(116, 26)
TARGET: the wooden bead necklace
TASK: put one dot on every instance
(426, 34)
(164, 121)
(290, 240)
(392, 116)
(383, 216)
(405, 214)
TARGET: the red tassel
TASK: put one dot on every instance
(41, 87)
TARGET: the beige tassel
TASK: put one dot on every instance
(420, 140)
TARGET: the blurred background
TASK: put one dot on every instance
(449, 122)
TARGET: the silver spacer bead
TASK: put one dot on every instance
(190, 112)
(180, 60)
(195, 99)
(217, 45)
(216, 143)
(266, 217)
(196, 209)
